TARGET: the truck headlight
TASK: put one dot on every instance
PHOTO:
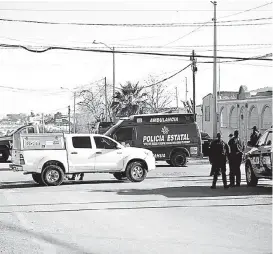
(194, 150)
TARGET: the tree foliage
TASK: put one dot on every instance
(158, 98)
(129, 100)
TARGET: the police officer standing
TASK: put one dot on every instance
(235, 159)
(254, 136)
(219, 151)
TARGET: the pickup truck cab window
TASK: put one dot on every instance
(269, 139)
(262, 140)
(81, 142)
(104, 143)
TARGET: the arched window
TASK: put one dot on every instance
(223, 117)
(253, 119)
(233, 121)
(266, 117)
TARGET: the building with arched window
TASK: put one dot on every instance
(239, 111)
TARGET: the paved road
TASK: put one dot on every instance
(172, 211)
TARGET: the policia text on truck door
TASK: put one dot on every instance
(171, 137)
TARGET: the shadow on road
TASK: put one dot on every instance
(199, 191)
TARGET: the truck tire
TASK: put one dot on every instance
(37, 178)
(136, 172)
(179, 159)
(120, 176)
(5, 156)
(251, 179)
(52, 175)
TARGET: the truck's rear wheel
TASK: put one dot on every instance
(52, 175)
(5, 156)
(179, 159)
(136, 172)
(251, 179)
(120, 176)
(37, 178)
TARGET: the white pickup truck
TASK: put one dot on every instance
(51, 157)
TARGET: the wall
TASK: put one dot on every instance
(240, 114)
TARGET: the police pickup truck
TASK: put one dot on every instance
(259, 160)
(50, 157)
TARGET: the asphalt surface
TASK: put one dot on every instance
(172, 211)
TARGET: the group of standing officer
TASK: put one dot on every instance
(218, 155)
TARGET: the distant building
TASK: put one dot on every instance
(239, 111)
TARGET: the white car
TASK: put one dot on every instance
(49, 157)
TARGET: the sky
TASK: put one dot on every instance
(32, 81)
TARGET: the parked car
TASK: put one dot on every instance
(259, 160)
(49, 157)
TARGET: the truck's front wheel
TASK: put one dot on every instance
(52, 175)
(251, 179)
(179, 159)
(37, 178)
(136, 172)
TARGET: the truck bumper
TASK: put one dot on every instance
(150, 162)
(15, 168)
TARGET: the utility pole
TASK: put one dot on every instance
(186, 97)
(194, 69)
(74, 113)
(43, 123)
(176, 98)
(114, 82)
(105, 94)
(214, 112)
(69, 119)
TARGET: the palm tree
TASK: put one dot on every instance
(130, 100)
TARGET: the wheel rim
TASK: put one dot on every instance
(179, 160)
(137, 172)
(248, 174)
(52, 176)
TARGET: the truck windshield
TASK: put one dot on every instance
(113, 128)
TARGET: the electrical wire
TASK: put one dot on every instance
(119, 10)
(260, 6)
(162, 25)
(86, 49)
(165, 79)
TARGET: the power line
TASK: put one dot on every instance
(86, 49)
(162, 25)
(260, 6)
(119, 10)
(165, 79)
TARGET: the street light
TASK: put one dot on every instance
(114, 81)
(74, 109)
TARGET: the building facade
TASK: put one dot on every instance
(238, 111)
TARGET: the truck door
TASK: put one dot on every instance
(125, 136)
(108, 156)
(81, 155)
(266, 154)
(256, 155)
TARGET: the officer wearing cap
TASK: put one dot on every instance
(254, 136)
(235, 159)
(219, 151)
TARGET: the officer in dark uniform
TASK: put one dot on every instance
(219, 151)
(235, 159)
